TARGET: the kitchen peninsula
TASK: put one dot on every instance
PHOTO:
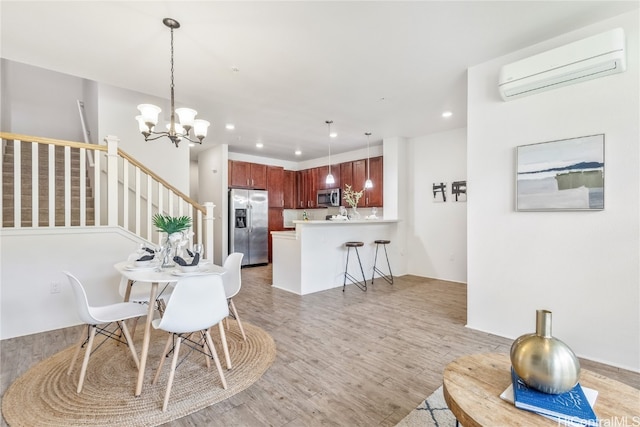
(312, 258)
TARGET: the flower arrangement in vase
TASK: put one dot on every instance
(352, 198)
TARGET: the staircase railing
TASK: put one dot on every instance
(45, 185)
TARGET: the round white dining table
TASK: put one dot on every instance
(155, 275)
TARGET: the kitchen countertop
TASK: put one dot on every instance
(350, 221)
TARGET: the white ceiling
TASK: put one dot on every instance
(387, 67)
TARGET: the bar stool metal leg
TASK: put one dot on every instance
(385, 276)
(347, 276)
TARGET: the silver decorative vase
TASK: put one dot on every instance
(543, 362)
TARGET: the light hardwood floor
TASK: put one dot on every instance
(349, 359)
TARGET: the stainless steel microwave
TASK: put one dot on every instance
(328, 198)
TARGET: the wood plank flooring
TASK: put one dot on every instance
(354, 358)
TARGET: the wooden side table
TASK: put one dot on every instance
(473, 384)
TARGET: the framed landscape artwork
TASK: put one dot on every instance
(561, 175)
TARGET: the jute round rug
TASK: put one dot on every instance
(46, 396)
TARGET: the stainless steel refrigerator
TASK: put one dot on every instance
(249, 225)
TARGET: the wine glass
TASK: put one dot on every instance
(197, 248)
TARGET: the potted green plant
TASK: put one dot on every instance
(175, 228)
(171, 224)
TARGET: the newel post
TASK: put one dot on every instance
(208, 230)
(112, 179)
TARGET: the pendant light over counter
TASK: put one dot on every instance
(368, 183)
(330, 180)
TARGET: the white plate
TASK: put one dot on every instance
(136, 268)
(178, 272)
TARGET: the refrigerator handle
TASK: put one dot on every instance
(249, 218)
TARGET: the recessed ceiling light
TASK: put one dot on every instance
(333, 134)
(298, 152)
(229, 126)
(447, 114)
(259, 144)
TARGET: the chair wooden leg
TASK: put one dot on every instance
(174, 362)
(164, 356)
(216, 359)
(77, 352)
(135, 325)
(87, 354)
(225, 347)
(235, 313)
(205, 349)
(127, 336)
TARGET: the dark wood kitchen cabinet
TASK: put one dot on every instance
(307, 188)
(275, 186)
(290, 190)
(373, 196)
(323, 172)
(247, 175)
(275, 223)
(353, 173)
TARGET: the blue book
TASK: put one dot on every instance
(571, 406)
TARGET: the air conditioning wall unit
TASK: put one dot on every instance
(590, 58)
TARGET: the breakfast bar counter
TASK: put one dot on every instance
(312, 258)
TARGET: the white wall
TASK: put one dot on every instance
(583, 266)
(437, 231)
(117, 111)
(40, 102)
(27, 305)
(213, 172)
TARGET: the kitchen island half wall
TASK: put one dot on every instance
(312, 258)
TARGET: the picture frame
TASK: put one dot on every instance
(439, 191)
(561, 175)
(459, 191)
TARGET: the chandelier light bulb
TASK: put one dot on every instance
(186, 116)
(149, 114)
(200, 128)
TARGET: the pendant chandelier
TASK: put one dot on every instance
(330, 179)
(148, 117)
(368, 183)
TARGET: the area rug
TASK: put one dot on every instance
(432, 412)
(46, 396)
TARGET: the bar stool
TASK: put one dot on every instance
(387, 277)
(363, 285)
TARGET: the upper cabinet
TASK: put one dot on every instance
(290, 190)
(247, 175)
(298, 189)
(275, 186)
(353, 174)
(323, 172)
(373, 196)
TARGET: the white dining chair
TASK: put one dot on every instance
(197, 304)
(232, 279)
(98, 319)
(139, 293)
